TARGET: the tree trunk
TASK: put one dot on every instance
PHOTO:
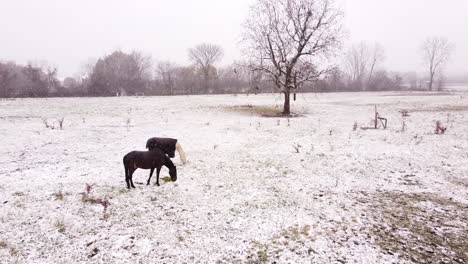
(287, 104)
(206, 78)
(431, 81)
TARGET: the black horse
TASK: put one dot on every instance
(167, 145)
(147, 160)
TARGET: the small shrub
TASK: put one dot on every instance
(87, 198)
(61, 120)
(439, 128)
(128, 122)
(88, 188)
(403, 125)
(60, 225)
(58, 195)
(47, 125)
(297, 147)
(14, 252)
(3, 244)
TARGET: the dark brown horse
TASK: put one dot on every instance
(167, 145)
(147, 160)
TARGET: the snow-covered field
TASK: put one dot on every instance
(246, 194)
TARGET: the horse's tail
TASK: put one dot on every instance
(181, 153)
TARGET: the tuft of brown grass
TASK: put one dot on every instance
(60, 225)
(166, 179)
(259, 110)
(3, 244)
(58, 195)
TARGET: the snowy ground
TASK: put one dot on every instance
(246, 195)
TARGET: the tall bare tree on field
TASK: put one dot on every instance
(166, 73)
(204, 56)
(436, 53)
(362, 61)
(377, 57)
(290, 41)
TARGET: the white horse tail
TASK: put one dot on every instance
(181, 153)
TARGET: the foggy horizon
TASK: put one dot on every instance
(67, 34)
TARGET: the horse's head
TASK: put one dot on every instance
(173, 173)
(171, 153)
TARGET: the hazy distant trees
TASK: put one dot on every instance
(6, 78)
(287, 45)
(436, 52)
(120, 73)
(27, 81)
(204, 56)
(362, 60)
(291, 40)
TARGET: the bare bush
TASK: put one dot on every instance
(60, 121)
(47, 125)
(58, 195)
(60, 225)
(439, 128)
(297, 147)
(403, 125)
(128, 122)
(88, 198)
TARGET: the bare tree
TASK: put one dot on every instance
(362, 61)
(204, 56)
(292, 40)
(436, 53)
(166, 74)
(120, 73)
(377, 57)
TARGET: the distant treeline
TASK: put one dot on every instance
(123, 73)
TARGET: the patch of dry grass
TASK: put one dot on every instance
(3, 244)
(260, 110)
(443, 108)
(269, 251)
(421, 228)
(459, 181)
(420, 94)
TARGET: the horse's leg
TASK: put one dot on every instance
(151, 174)
(158, 170)
(131, 177)
(127, 177)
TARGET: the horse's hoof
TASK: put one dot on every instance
(157, 184)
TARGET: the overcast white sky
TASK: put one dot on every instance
(68, 33)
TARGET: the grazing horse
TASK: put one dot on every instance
(147, 160)
(168, 146)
